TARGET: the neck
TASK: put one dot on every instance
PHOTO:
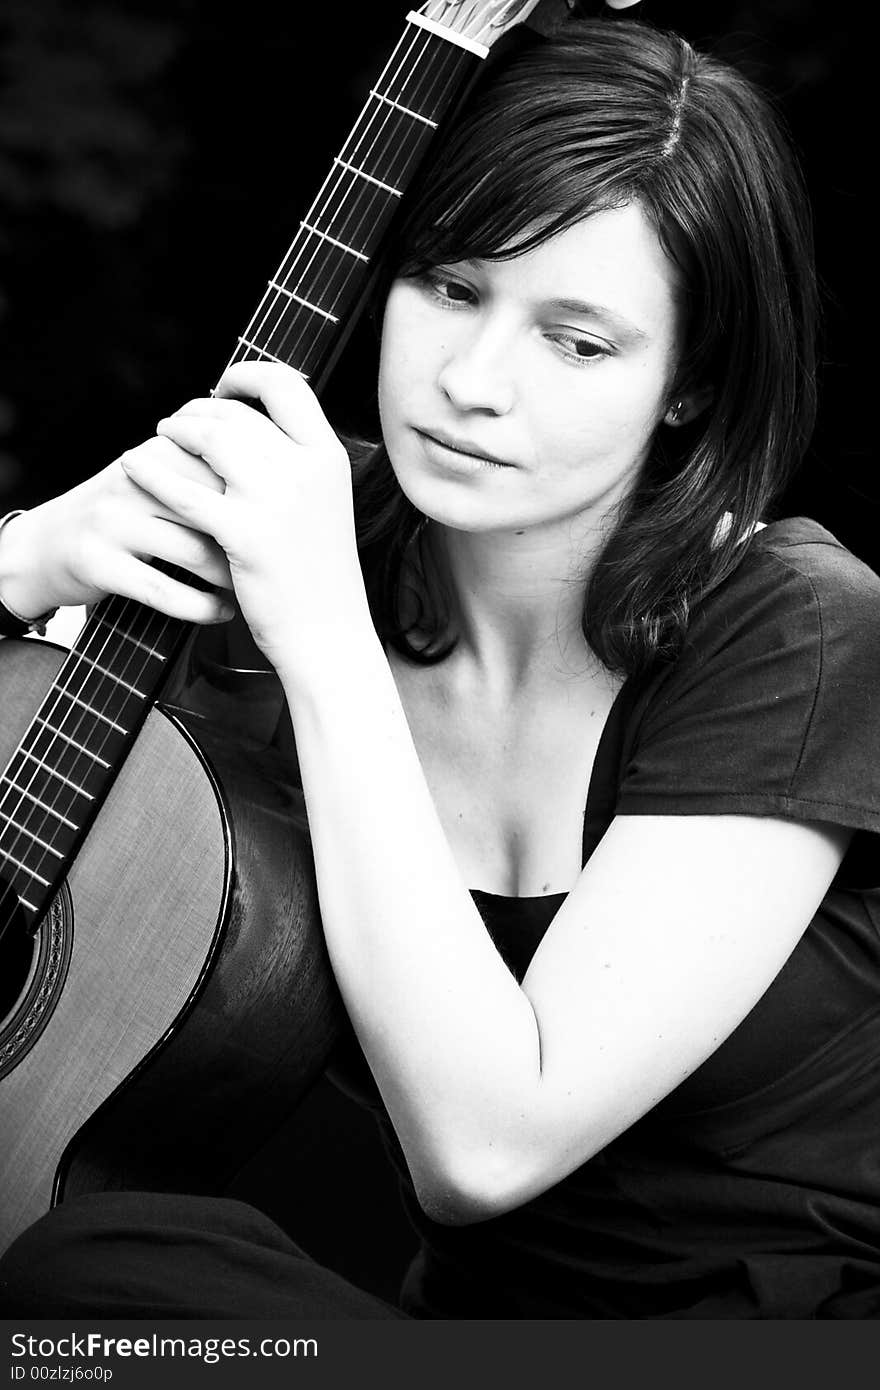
(518, 600)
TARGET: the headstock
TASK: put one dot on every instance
(481, 23)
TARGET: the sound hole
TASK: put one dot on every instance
(18, 951)
(32, 974)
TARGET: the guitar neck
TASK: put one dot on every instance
(58, 776)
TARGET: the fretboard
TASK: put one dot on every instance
(61, 771)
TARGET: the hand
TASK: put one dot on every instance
(99, 538)
(284, 516)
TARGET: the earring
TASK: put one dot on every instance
(675, 412)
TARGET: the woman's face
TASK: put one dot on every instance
(525, 393)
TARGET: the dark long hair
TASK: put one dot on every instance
(605, 114)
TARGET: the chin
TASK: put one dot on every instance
(451, 504)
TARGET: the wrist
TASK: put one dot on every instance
(23, 607)
(320, 671)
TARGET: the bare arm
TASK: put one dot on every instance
(674, 930)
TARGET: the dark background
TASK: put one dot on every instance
(155, 157)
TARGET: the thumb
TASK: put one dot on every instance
(286, 396)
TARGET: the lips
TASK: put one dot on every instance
(463, 446)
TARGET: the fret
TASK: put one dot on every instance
(288, 331)
(243, 342)
(325, 236)
(59, 733)
(462, 40)
(430, 84)
(390, 150)
(81, 656)
(320, 274)
(395, 192)
(68, 765)
(416, 115)
(42, 804)
(313, 308)
(318, 214)
(78, 683)
(79, 764)
(127, 636)
(32, 873)
(53, 772)
(23, 830)
(25, 902)
(105, 719)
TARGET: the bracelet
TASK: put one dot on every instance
(12, 624)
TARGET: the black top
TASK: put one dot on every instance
(753, 1189)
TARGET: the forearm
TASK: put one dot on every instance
(22, 588)
(451, 1038)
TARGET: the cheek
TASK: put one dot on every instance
(395, 356)
(601, 431)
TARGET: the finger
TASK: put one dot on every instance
(217, 408)
(180, 545)
(287, 397)
(197, 505)
(135, 579)
(173, 458)
(225, 444)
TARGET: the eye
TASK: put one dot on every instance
(447, 289)
(578, 348)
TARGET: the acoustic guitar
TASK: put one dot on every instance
(165, 994)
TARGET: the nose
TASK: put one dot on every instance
(477, 375)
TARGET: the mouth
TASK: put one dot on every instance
(464, 448)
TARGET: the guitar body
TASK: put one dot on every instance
(177, 1001)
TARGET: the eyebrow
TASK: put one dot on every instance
(623, 327)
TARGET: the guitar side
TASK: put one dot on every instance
(192, 1003)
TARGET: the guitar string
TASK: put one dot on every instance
(66, 689)
(79, 661)
(71, 668)
(363, 202)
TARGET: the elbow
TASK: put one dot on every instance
(472, 1191)
(494, 1177)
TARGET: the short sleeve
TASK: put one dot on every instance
(773, 708)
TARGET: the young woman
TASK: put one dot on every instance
(588, 741)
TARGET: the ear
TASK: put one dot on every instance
(687, 406)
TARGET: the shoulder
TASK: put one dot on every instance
(798, 595)
(773, 705)
(798, 563)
